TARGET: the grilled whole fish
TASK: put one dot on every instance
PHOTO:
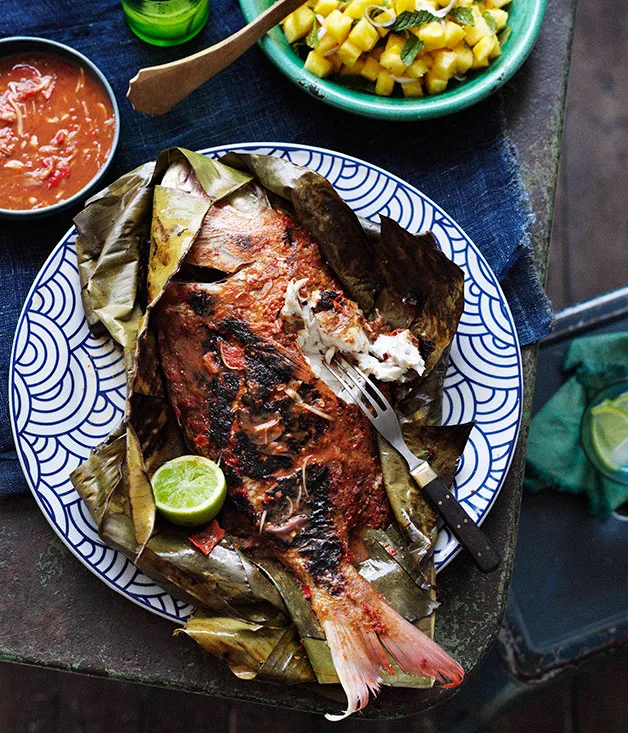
(302, 465)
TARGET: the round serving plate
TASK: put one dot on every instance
(67, 389)
(524, 20)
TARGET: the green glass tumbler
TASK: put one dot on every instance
(166, 22)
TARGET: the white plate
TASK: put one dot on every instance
(66, 388)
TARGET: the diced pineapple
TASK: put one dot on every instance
(500, 17)
(391, 56)
(338, 24)
(445, 64)
(497, 3)
(432, 35)
(496, 50)
(318, 65)
(364, 35)
(371, 69)
(349, 53)
(325, 7)
(391, 60)
(483, 48)
(395, 42)
(474, 33)
(477, 64)
(453, 34)
(298, 24)
(353, 69)
(403, 5)
(434, 83)
(326, 44)
(385, 84)
(464, 58)
(377, 52)
(336, 62)
(418, 68)
(413, 89)
(357, 67)
(356, 8)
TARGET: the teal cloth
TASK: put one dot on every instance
(555, 457)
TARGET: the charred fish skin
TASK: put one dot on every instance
(285, 415)
(302, 466)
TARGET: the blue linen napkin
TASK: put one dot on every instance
(465, 162)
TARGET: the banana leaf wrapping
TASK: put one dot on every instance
(251, 612)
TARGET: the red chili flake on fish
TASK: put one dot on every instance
(207, 539)
(232, 356)
(201, 441)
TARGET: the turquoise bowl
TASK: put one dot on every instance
(525, 18)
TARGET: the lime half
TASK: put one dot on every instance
(609, 434)
(189, 490)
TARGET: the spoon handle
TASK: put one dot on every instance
(156, 89)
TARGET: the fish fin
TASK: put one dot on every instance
(415, 652)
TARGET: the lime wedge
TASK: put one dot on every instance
(189, 490)
(621, 403)
(609, 431)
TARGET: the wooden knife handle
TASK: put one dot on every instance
(459, 522)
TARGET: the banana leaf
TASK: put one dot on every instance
(113, 236)
(267, 647)
(224, 580)
(133, 239)
(442, 447)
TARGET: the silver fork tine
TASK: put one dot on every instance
(338, 374)
(345, 373)
(356, 374)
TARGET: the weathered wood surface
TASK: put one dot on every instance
(589, 252)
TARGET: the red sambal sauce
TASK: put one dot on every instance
(56, 130)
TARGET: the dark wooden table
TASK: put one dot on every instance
(54, 613)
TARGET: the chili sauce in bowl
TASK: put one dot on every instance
(58, 127)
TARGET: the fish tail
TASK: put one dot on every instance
(415, 652)
(360, 628)
(357, 654)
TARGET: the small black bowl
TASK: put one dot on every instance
(18, 44)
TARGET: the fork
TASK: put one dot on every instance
(384, 419)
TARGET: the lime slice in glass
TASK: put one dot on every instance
(609, 431)
(621, 403)
(189, 490)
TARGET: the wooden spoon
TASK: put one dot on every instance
(157, 89)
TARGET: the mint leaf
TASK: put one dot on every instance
(411, 19)
(312, 40)
(464, 16)
(490, 21)
(504, 36)
(411, 48)
(301, 49)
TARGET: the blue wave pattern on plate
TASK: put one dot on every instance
(68, 391)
